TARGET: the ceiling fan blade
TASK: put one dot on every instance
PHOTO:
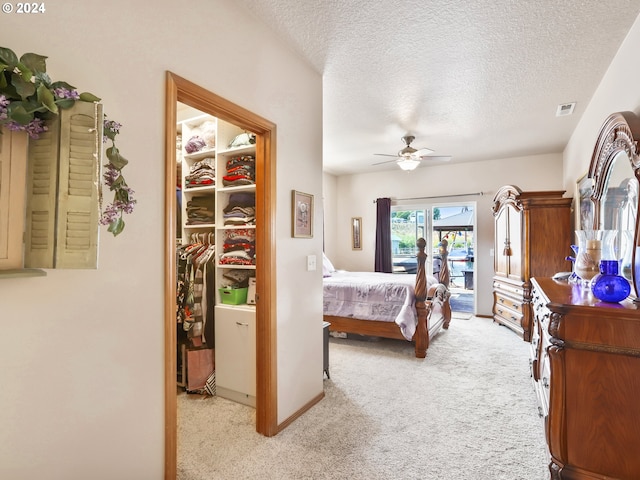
(423, 152)
(439, 158)
(387, 161)
(386, 155)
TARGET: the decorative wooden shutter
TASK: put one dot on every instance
(13, 167)
(63, 212)
(78, 212)
(42, 186)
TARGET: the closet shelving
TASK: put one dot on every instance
(206, 191)
(235, 324)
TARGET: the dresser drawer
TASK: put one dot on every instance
(508, 317)
(507, 302)
(507, 288)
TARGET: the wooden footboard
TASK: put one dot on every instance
(433, 309)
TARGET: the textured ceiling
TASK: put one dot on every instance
(477, 79)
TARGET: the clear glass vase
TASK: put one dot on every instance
(587, 264)
(626, 254)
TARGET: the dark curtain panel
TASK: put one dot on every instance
(383, 236)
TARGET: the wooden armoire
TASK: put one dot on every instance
(533, 237)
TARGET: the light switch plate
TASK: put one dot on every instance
(311, 263)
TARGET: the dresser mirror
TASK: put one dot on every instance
(613, 173)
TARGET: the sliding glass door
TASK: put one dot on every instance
(407, 225)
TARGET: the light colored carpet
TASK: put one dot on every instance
(466, 412)
(461, 316)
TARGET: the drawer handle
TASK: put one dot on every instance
(545, 382)
(502, 300)
(540, 414)
(514, 305)
(242, 324)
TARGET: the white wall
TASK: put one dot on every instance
(330, 200)
(356, 193)
(618, 91)
(82, 392)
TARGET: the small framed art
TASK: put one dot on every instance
(302, 215)
(356, 233)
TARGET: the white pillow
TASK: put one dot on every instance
(327, 266)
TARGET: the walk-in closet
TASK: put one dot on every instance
(215, 257)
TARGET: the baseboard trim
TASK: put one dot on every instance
(300, 412)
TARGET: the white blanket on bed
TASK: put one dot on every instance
(385, 297)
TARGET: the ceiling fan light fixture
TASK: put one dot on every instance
(408, 163)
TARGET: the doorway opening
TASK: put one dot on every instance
(181, 90)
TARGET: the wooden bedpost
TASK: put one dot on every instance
(445, 276)
(421, 336)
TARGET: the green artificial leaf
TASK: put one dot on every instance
(45, 97)
(117, 160)
(23, 88)
(117, 183)
(55, 85)
(19, 114)
(89, 97)
(122, 195)
(116, 226)
(65, 103)
(25, 72)
(34, 62)
(9, 57)
(41, 78)
(3, 81)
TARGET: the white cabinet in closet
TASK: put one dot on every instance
(236, 353)
(235, 323)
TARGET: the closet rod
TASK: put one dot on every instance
(439, 196)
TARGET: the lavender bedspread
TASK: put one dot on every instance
(384, 297)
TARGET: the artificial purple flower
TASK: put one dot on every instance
(109, 215)
(34, 128)
(110, 175)
(66, 93)
(111, 129)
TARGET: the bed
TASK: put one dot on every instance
(411, 307)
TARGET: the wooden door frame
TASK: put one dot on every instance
(181, 90)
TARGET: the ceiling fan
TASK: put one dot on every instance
(409, 158)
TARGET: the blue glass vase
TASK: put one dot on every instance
(608, 285)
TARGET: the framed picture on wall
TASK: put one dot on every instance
(584, 208)
(302, 214)
(356, 233)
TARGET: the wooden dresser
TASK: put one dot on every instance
(585, 366)
(533, 237)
